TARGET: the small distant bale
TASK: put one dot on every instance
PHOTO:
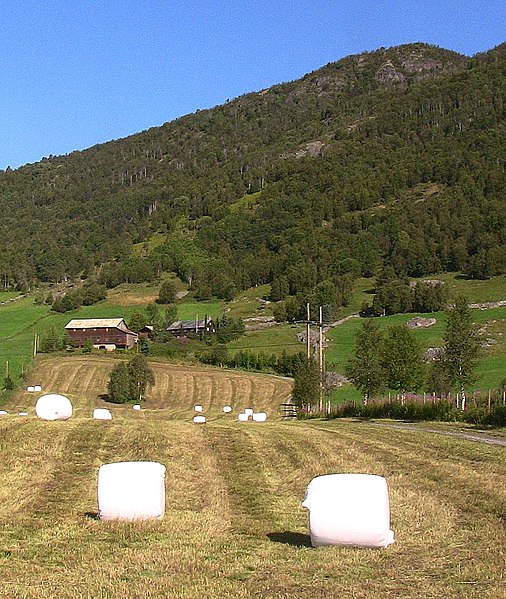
(259, 417)
(136, 407)
(199, 419)
(53, 406)
(31, 389)
(102, 414)
(3, 412)
(198, 408)
(248, 411)
(349, 509)
(23, 414)
(242, 417)
(227, 409)
(37, 388)
(131, 491)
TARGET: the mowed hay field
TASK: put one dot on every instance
(176, 391)
(234, 526)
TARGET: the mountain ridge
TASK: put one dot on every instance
(360, 132)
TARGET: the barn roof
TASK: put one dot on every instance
(95, 323)
(187, 324)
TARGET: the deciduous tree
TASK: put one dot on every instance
(461, 347)
(364, 367)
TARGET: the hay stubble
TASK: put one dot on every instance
(234, 526)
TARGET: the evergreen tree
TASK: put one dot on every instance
(167, 293)
(118, 387)
(129, 382)
(364, 368)
(137, 321)
(50, 341)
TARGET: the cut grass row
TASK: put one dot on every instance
(234, 526)
(177, 388)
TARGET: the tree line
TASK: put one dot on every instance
(394, 360)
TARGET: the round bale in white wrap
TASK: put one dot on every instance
(131, 491)
(53, 406)
(102, 414)
(349, 509)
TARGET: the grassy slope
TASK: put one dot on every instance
(234, 526)
(20, 320)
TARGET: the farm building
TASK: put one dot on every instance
(104, 333)
(147, 331)
(192, 328)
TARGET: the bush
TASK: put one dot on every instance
(439, 410)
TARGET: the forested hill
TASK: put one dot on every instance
(391, 157)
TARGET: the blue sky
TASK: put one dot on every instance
(80, 72)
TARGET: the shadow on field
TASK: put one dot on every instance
(92, 515)
(296, 539)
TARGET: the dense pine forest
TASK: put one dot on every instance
(389, 163)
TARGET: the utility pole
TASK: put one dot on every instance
(320, 348)
(308, 333)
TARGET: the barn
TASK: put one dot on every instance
(192, 328)
(104, 333)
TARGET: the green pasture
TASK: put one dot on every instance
(273, 340)
(21, 320)
(475, 291)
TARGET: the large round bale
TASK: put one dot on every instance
(53, 406)
(349, 509)
(131, 491)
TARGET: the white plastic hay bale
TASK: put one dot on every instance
(349, 509)
(37, 388)
(3, 412)
(136, 407)
(259, 417)
(131, 491)
(53, 407)
(198, 408)
(30, 389)
(249, 412)
(242, 417)
(227, 409)
(199, 419)
(23, 414)
(102, 414)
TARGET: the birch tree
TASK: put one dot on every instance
(364, 367)
(461, 347)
